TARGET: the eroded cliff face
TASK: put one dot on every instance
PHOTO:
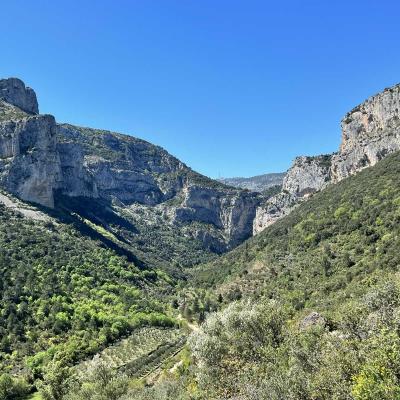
(273, 209)
(105, 164)
(108, 165)
(307, 175)
(29, 162)
(14, 91)
(369, 133)
(40, 160)
(230, 210)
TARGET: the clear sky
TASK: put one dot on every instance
(232, 88)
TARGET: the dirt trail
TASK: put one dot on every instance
(194, 328)
(155, 374)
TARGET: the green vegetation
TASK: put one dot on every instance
(328, 244)
(9, 112)
(272, 191)
(13, 388)
(64, 294)
(321, 314)
(308, 309)
(34, 396)
(132, 353)
(139, 232)
(324, 160)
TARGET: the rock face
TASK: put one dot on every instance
(103, 164)
(41, 160)
(115, 167)
(14, 91)
(271, 210)
(29, 162)
(369, 133)
(231, 211)
(307, 175)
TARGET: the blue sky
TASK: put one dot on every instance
(232, 88)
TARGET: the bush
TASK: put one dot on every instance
(11, 388)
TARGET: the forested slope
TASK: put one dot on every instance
(65, 292)
(310, 307)
(318, 304)
(337, 237)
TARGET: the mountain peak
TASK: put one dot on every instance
(14, 91)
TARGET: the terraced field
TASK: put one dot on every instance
(143, 366)
(140, 353)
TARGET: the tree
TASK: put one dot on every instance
(56, 381)
(379, 376)
(11, 389)
(100, 383)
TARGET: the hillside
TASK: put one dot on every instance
(42, 160)
(96, 231)
(112, 251)
(65, 291)
(370, 132)
(310, 306)
(347, 228)
(155, 191)
(318, 293)
(258, 183)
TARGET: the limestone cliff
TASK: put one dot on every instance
(41, 160)
(14, 91)
(29, 162)
(369, 132)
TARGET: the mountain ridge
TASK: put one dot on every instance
(110, 227)
(258, 183)
(39, 157)
(370, 131)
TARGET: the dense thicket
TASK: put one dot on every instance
(311, 306)
(323, 317)
(331, 242)
(63, 293)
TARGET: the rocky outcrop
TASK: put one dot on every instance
(272, 209)
(41, 161)
(39, 158)
(307, 175)
(29, 162)
(231, 211)
(76, 179)
(107, 165)
(369, 133)
(14, 91)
